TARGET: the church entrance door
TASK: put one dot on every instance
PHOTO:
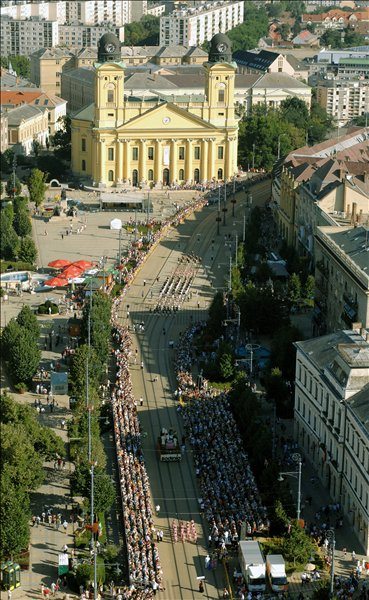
(166, 177)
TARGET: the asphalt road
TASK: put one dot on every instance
(173, 485)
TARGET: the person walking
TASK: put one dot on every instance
(201, 587)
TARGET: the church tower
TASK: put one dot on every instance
(109, 83)
(219, 82)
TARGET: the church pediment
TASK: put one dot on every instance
(167, 117)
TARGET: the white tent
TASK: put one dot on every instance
(116, 224)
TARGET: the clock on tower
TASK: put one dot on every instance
(108, 48)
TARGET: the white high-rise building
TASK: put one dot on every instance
(24, 36)
(87, 12)
(76, 35)
(51, 11)
(193, 26)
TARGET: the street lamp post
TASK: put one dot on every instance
(279, 145)
(234, 196)
(218, 219)
(297, 459)
(253, 157)
(224, 209)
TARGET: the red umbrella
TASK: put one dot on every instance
(72, 271)
(83, 264)
(56, 282)
(59, 263)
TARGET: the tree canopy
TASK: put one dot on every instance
(21, 64)
(61, 140)
(246, 35)
(36, 186)
(143, 32)
(27, 250)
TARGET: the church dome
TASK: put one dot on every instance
(220, 48)
(108, 48)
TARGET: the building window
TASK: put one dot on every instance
(196, 175)
(111, 175)
(110, 95)
(181, 175)
(83, 165)
(150, 175)
(150, 153)
(197, 152)
(110, 153)
(83, 142)
(181, 153)
(220, 152)
(220, 173)
(135, 153)
(221, 96)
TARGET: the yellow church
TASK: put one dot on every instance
(121, 140)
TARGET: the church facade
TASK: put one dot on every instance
(158, 139)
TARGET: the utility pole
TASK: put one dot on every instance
(244, 229)
(230, 273)
(14, 172)
(234, 195)
(332, 539)
(253, 156)
(218, 219)
(236, 249)
(224, 209)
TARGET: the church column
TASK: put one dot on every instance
(211, 170)
(158, 162)
(102, 178)
(119, 161)
(204, 160)
(127, 160)
(228, 170)
(142, 171)
(173, 161)
(188, 162)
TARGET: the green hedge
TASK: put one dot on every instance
(18, 266)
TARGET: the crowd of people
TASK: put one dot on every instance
(142, 553)
(230, 497)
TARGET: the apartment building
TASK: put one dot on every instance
(342, 265)
(88, 12)
(27, 124)
(344, 99)
(46, 68)
(23, 36)
(76, 35)
(350, 63)
(332, 419)
(51, 11)
(194, 26)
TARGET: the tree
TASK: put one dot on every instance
(26, 318)
(36, 147)
(294, 288)
(104, 491)
(1, 188)
(13, 187)
(22, 223)
(7, 159)
(9, 243)
(21, 64)
(51, 166)
(36, 186)
(14, 516)
(27, 250)
(23, 354)
(143, 32)
(309, 288)
(255, 26)
(297, 546)
(295, 112)
(61, 140)
(278, 391)
(78, 369)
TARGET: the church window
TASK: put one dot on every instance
(181, 153)
(181, 175)
(83, 144)
(150, 153)
(220, 152)
(83, 165)
(150, 175)
(110, 153)
(220, 173)
(197, 152)
(135, 153)
(221, 96)
(110, 95)
(111, 175)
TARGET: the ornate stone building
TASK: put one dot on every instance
(121, 139)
